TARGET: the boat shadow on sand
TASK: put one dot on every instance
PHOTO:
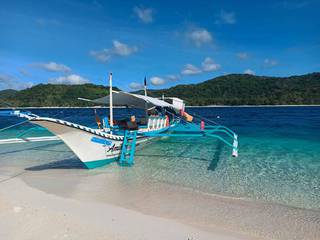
(75, 163)
(69, 163)
(216, 158)
(40, 148)
(213, 163)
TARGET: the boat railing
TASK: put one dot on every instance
(156, 122)
(210, 124)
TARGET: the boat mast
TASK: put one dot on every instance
(110, 101)
(145, 94)
(145, 86)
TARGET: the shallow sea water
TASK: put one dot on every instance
(279, 155)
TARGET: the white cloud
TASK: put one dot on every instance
(226, 18)
(4, 78)
(135, 86)
(190, 69)
(24, 85)
(208, 65)
(270, 62)
(72, 79)
(157, 81)
(243, 55)
(118, 49)
(173, 77)
(6, 81)
(52, 67)
(249, 71)
(122, 49)
(24, 72)
(102, 56)
(199, 36)
(11, 82)
(144, 14)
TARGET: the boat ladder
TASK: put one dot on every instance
(128, 148)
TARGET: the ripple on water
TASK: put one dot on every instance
(278, 161)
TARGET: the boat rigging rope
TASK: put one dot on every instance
(196, 116)
(11, 177)
(204, 118)
(14, 125)
(28, 120)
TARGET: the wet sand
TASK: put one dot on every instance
(27, 213)
(44, 203)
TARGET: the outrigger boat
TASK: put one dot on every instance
(117, 140)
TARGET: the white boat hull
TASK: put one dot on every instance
(93, 147)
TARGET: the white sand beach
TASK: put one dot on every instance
(81, 204)
(27, 213)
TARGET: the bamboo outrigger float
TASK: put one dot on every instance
(117, 140)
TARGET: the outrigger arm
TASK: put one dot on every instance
(212, 133)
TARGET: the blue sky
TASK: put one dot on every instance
(170, 42)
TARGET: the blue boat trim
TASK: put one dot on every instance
(128, 148)
(80, 127)
(101, 141)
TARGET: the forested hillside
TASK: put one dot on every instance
(233, 89)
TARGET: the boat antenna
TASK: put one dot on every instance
(145, 94)
(110, 101)
(145, 86)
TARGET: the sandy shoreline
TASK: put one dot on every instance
(45, 193)
(78, 204)
(27, 213)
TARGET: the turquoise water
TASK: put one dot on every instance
(278, 161)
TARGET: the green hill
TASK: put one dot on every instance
(233, 89)
(7, 93)
(46, 95)
(244, 89)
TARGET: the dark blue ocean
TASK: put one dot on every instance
(279, 153)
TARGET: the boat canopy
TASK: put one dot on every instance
(132, 100)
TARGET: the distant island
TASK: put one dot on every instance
(232, 89)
